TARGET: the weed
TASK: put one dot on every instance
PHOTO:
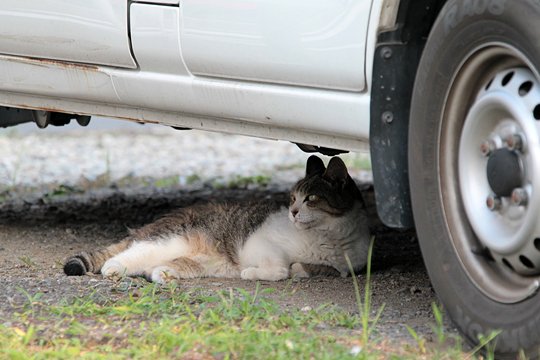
(487, 345)
(420, 341)
(438, 329)
(32, 301)
(192, 179)
(28, 262)
(128, 180)
(486, 342)
(364, 307)
(76, 329)
(242, 182)
(104, 179)
(167, 181)
(61, 190)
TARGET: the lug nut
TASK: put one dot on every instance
(493, 202)
(519, 197)
(487, 147)
(514, 142)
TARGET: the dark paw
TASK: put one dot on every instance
(75, 267)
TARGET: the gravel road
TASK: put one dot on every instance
(62, 192)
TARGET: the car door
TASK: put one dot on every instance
(83, 31)
(313, 43)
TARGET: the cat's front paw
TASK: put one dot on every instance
(270, 274)
(163, 275)
(298, 271)
(113, 268)
(249, 273)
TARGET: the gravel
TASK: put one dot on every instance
(77, 155)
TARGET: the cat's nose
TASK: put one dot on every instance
(294, 212)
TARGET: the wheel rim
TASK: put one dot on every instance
(490, 143)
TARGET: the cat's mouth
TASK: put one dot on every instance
(303, 226)
(303, 223)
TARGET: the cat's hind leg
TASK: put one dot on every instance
(143, 255)
(179, 268)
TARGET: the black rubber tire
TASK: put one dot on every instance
(461, 27)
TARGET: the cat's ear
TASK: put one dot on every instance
(336, 172)
(314, 166)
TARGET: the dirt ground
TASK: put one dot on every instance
(37, 232)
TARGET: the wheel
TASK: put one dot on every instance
(474, 168)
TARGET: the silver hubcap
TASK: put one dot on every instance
(489, 164)
(498, 150)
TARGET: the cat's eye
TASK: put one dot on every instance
(312, 198)
(293, 198)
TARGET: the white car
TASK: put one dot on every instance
(445, 92)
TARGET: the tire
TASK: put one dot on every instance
(474, 168)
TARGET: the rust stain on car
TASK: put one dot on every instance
(43, 108)
(51, 62)
(60, 110)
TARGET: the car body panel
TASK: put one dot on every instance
(175, 119)
(158, 2)
(312, 110)
(262, 104)
(163, 90)
(153, 29)
(93, 32)
(316, 43)
(56, 79)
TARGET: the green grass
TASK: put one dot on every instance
(167, 182)
(364, 307)
(162, 322)
(61, 190)
(28, 262)
(154, 322)
(241, 182)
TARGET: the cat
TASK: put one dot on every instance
(257, 241)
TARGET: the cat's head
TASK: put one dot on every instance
(323, 195)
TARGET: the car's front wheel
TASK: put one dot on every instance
(474, 167)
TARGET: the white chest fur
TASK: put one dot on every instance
(279, 242)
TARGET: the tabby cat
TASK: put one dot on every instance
(263, 240)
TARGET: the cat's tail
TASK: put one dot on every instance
(92, 261)
(80, 264)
